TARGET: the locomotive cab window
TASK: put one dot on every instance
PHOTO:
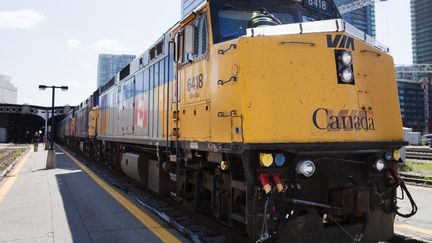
(231, 19)
(233, 23)
(195, 40)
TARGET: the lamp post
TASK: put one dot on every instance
(63, 88)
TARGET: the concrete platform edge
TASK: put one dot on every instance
(144, 217)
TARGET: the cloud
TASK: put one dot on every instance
(73, 43)
(20, 19)
(108, 45)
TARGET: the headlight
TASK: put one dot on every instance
(346, 58)
(347, 75)
(379, 165)
(279, 160)
(344, 67)
(266, 160)
(306, 168)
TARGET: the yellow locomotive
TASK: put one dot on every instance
(274, 117)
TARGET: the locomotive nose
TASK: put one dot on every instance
(344, 79)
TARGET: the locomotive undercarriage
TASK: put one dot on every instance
(346, 200)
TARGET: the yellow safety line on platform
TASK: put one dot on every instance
(413, 229)
(144, 218)
(10, 179)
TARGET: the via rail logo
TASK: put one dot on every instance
(340, 41)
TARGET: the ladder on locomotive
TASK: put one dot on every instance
(174, 103)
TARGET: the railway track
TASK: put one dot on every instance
(420, 153)
(415, 179)
(5, 157)
(8, 157)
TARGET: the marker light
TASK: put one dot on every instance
(279, 160)
(224, 165)
(379, 165)
(388, 156)
(347, 75)
(346, 58)
(306, 168)
(266, 160)
(397, 155)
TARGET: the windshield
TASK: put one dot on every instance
(232, 19)
(233, 23)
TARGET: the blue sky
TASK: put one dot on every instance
(58, 42)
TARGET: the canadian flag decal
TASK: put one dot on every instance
(140, 119)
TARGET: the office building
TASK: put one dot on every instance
(188, 6)
(421, 27)
(363, 18)
(109, 65)
(412, 96)
(8, 92)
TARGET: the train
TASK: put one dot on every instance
(275, 118)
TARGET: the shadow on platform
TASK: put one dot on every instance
(92, 215)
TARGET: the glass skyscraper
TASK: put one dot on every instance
(421, 25)
(412, 104)
(109, 65)
(363, 18)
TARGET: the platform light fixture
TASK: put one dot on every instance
(63, 88)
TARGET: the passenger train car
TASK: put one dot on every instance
(276, 118)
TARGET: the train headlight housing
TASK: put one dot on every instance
(306, 168)
(266, 160)
(346, 58)
(347, 76)
(379, 165)
(345, 67)
(279, 160)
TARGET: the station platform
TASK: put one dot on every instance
(67, 205)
